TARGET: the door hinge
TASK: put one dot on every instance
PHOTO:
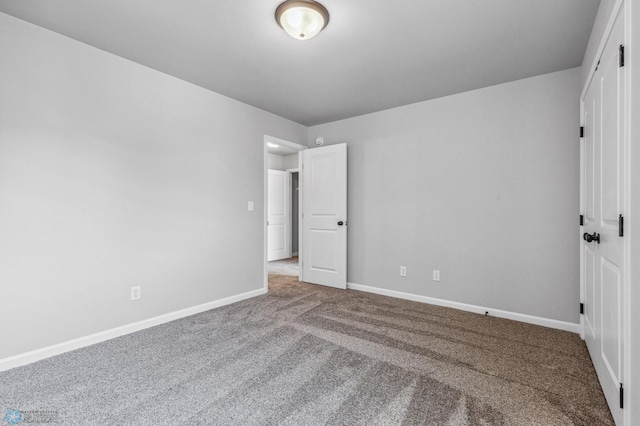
(582, 131)
(620, 226)
(581, 220)
(621, 55)
(621, 396)
(582, 309)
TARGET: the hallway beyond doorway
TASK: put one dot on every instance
(284, 267)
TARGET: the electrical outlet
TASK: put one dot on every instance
(436, 275)
(403, 271)
(250, 206)
(135, 293)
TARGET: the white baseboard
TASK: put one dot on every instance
(545, 322)
(49, 351)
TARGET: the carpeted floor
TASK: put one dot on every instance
(309, 355)
(284, 267)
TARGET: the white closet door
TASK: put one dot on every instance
(603, 203)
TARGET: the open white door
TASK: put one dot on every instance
(279, 215)
(324, 216)
(603, 232)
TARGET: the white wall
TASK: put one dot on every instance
(483, 186)
(279, 162)
(114, 175)
(275, 162)
(290, 162)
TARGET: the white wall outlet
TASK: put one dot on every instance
(250, 206)
(436, 275)
(135, 293)
(403, 271)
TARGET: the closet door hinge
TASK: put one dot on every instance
(621, 55)
(581, 220)
(621, 396)
(582, 131)
(621, 226)
(582, 309)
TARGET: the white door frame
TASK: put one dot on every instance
(627, 199)
(291, 172)
(265, 191)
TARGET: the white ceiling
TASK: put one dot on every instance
(373, 55)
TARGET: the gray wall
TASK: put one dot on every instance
(279, 162)
(483, 186)
(114, 175)
(275, 162)
(290, 162)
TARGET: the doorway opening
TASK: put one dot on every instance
(282, 192)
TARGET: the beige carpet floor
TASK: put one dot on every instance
(310, 355)
(447, 366)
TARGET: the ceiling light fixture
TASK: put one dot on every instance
(272, 145)
(302, 19)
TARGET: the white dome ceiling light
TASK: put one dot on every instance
(302, 19)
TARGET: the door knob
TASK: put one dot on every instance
(591, 237)
(340, 223)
